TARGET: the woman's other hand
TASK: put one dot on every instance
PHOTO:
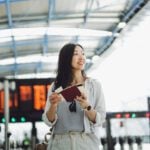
(82, 100)
(54, 99)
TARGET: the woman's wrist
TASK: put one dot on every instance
(91, 114)
(54, 105)
(51, 112)
(88, 107)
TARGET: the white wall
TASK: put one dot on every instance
(124, 70)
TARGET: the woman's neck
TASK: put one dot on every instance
(78, 78)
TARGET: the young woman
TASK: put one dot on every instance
(74, 122)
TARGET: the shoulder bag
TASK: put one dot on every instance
(43, 145)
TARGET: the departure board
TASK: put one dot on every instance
(29, 95)
(13, 100)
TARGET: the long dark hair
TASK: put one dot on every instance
(64, 75)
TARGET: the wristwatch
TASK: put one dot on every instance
(88, 108)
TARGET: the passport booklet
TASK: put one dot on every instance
(70, 93)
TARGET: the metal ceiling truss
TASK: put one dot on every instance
(104, 42)
(127, 17)
(51, 9)
(88, 8)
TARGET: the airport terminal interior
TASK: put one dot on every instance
(115, 35)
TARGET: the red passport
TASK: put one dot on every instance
(70, 93)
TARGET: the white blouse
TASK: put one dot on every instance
(95, 97)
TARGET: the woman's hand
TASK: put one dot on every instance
(54, 99)
(82, 100)
(84, 104)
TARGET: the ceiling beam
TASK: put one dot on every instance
(137, 7)
(8, 12)
(10, 25)
(3, 1)
(128, 16)
(51, 9)
(88, 8)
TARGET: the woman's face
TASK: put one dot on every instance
(78, 59)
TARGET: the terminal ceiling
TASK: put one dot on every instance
(33, 31)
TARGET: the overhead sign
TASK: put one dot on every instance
(29, 95)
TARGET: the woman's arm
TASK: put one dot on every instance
(96, 114)
(89, 111)
(49, 116)
(54, 99)
(99, 103)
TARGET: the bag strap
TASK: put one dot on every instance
(49, 133)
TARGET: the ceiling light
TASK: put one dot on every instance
(121, 25)
(95, 58)
(34, 75)
(41, 31)
(5, 39)
(7, 61)
(30, 59)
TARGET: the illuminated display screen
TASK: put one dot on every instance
(1, 100)
(25, 98)
(13, 100)
(39, 96)
(30, 95)
(25, 93)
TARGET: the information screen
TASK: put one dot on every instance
(29, 95)
(13, 100)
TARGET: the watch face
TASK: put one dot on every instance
(89, 107)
